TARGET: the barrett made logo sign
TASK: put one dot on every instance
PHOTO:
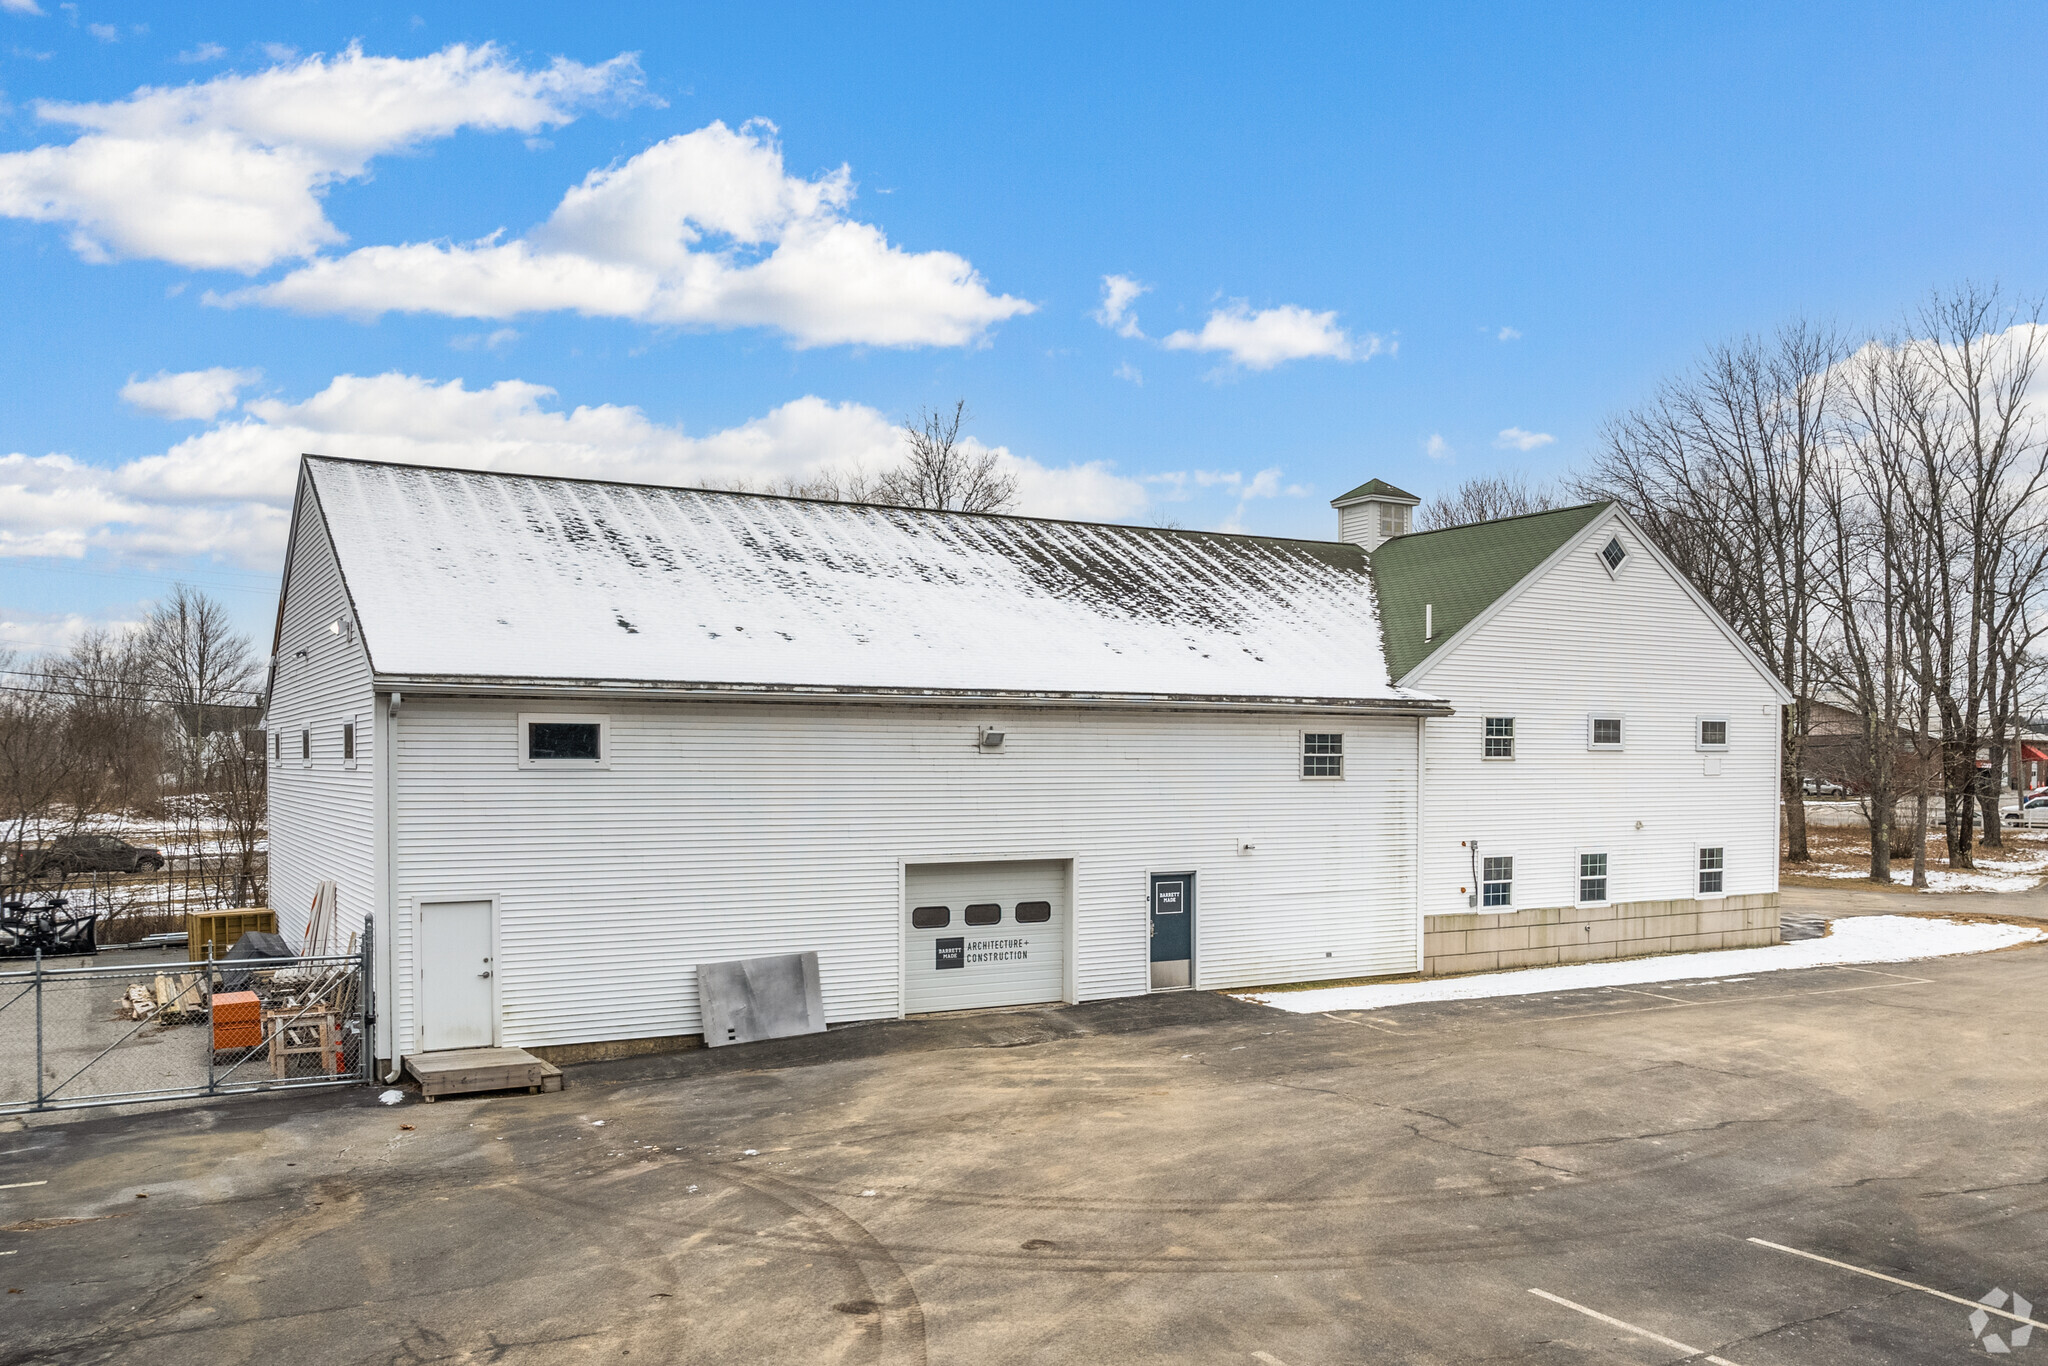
(952, 953)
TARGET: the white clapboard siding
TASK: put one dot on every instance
(1576, 641)
(729, 830)
(320, 815)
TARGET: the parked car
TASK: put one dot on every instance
(1823, 787)
(48, 924)
(70, 854)
(2034, 813)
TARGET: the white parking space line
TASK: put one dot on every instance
(1910, 1285)
(17, 1185)
(1744, 1000)
(1673, 1343)
(1369, 1024)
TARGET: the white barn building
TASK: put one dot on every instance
(567, 740)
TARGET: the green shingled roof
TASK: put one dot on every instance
(1460, 572)
(1375, 488)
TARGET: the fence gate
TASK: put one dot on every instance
(75, 1036)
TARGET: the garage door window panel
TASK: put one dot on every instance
(983, 913)
(931, 917)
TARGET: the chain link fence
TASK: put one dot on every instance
(165, 1028)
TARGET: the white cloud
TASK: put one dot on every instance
(204, 52)
(227, 491)
(1507, 334)
(1119, 292)
(703, 229)
(29, 7)
(1130, 372)
(106, 33)
(34, 633)
(228, 173)
(1179, 486)
(1515, 439)
(192, 394)
(1266, 338)
(490, 341)
(1436, 448)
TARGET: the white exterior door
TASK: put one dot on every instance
(985, 934)
(457, 1004)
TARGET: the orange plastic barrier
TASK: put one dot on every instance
(237, 1020)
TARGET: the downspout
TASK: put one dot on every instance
(387, 782)
(1421, 880)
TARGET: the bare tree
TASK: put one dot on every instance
(36, 763)
(1975, 466)
(941, 471)
(1485, 498)
(201, 666)
(1864, 657)
(1720, 469)
(114, 724)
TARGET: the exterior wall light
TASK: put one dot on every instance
(990, 740)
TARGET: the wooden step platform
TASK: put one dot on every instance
(463, 1070)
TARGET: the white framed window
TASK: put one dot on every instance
(348, 743)
(1498, 737)
(1322, 754)
(564, 740)
(1393, 520)
(1496, 881)
(1604, 730)
(1613, 555)
(1593, 874)
(305, 747)
(1710, 733)
(1711, 865)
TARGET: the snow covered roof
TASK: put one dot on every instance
(460, 577)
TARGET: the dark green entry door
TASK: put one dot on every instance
(1173, 929)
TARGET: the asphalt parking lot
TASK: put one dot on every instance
(1183, 1178)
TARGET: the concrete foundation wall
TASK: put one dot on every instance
(1581, 934)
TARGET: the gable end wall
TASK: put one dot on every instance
(1576, 641)
(321, 814)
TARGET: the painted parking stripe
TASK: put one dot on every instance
(1673, 1343)
(17, 1185)
(1910, 1285)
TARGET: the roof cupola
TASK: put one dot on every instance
(1373, 513)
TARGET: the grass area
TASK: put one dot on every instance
(1841, 858)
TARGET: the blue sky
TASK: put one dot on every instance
(737, 243)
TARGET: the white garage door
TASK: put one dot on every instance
(986, 934)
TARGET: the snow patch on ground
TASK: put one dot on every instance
(1857, 939)
(1990, 875)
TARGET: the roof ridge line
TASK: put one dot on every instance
(1497, 521)
(827, 502)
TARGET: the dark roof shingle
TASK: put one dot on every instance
(1460, 572)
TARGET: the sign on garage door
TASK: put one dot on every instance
(985, 934)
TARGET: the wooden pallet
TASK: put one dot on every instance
(463, 1070)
